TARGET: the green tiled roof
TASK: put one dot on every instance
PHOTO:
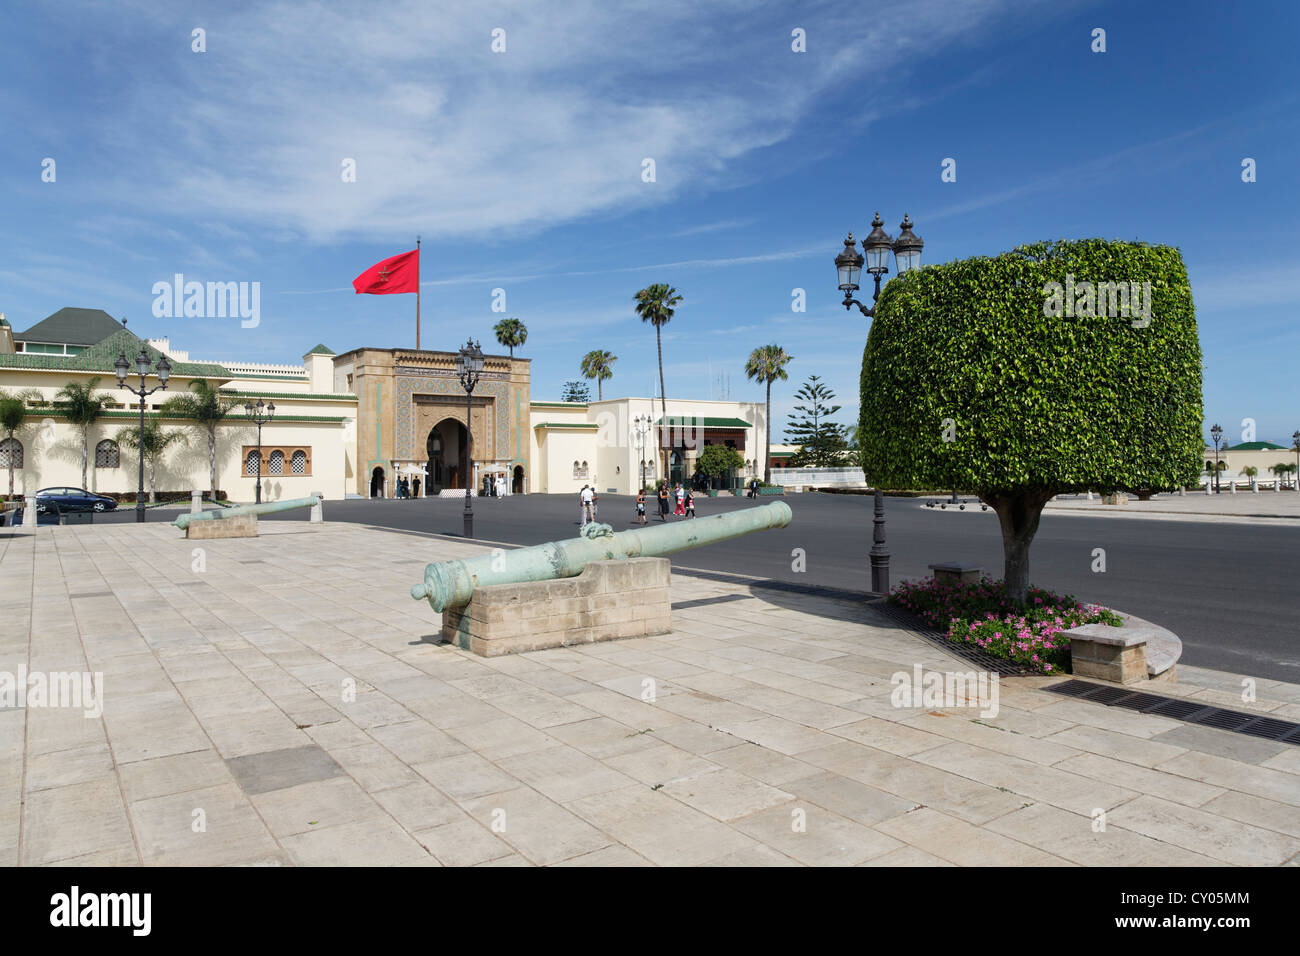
(1255, 446)
(565, 425)
(72, 327)
(134, 415)
(304, 396)
(558, 404)
(101, 356)
(322, 350)
(679, 421)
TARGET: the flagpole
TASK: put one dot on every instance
(417, 293)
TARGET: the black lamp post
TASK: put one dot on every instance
(469, 366)
(259, 415)
(1216, 433)
(907, 254)
(143, 368)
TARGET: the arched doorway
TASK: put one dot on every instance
(378, 485)
(446, 447)
(517, 486)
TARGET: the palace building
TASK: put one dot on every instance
(358, 424)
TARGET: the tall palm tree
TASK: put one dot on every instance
(156, 443)
(511, 332)
(767, 364)
(206, 407)
(82, 407)
(598, 364)
(656, 304)
(13, 411)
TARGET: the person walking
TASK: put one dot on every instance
(587, 499)
(595, 502)
(690, 503)
(640, 506)
(663, 501)
(680, 495)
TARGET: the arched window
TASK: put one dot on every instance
(577, 470)
(11, 453)
(107, 454)
(275, 466)
(298, 464)
(250, 464)
(584, 469)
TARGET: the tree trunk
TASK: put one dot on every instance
(1018, 514)
(11, 468)
(767, 457)
(85, 441)
(212, 460)
(663, 395)
(153, 478)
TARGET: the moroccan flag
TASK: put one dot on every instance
(401, 273)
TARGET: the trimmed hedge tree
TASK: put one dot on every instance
(1029, 375)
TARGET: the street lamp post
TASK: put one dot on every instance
(1217, 434)
(848, 264)
(143, 368)
(641, 429)
(469, 366)
(259, 415)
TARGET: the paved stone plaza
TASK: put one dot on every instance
(760, 731)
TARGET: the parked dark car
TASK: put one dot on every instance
(74, 499)
(47, 512)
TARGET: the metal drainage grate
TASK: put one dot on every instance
(1177, 708)
(904, 618)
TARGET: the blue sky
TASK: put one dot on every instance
(522, 170)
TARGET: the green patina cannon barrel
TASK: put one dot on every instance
(270, 507)
(452, 583)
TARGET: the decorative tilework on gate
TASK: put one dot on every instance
(444, 384)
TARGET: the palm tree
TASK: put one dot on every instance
(1280, 470)
(82, 407)
(767, 364)
(13, 410)
(656, 304)
(597, 364)
(511, 332)
(156, 442)
(206, 407)
(1250, 471)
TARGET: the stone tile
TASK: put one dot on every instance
(563, 773)
(178, 773)
(890, 736)
(418, 806)
(907, 856)
(762, 764)
(277, 769)
(416, 741)
(502, 737)
(374, 768)
(315, 805)
(1144, 751)
(1073, 836)
(1232, 775)
(961, 725)
(777, 734)
(68, 767)
(232, 831)
(725, 794)
(1203, 832)
(659, 828)
(601, 737)
(815, 837)
(1267, 814)
(962, 843)
(364, 843)
(1141, 779)
(697, 738)
(758, 855)
(613, 855)
(465, 776)
(540, 829)
(850, 799)
(463, 843)
(1222, 743)
(71, 821)
(660, 765)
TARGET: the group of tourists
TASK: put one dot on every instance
(494, 486)
(404, 489)
(588, 501)
(682, 498)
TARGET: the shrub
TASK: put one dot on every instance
(988, 616)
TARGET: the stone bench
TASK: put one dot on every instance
(1138, 651)
(607, 601)
(954, 572)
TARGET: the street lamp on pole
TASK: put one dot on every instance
(469, 366)
(848, 265)
(259, 414)
(1217, 434)
(1295, 443)
(144, 367)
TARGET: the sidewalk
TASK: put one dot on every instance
(1245, 507)
(759, 732)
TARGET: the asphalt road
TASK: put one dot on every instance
(1228, 590)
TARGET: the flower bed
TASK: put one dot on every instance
(984, 615)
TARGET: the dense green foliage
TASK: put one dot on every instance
(1057, 403)
(717, 460)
